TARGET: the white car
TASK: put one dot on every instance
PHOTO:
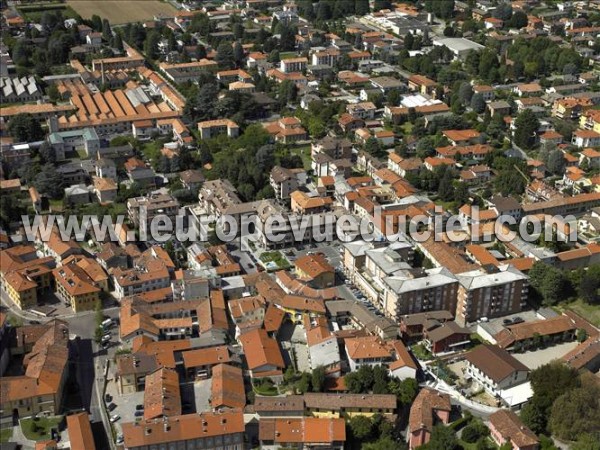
(120, 439)
(114, 418)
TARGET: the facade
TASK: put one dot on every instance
(429, 408)
(490, 292)
(506, 428)
(494, 369)
(146, 209)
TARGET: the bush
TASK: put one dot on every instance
(473, 432)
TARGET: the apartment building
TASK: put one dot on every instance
(24, 276)
(303, 203)
(285, 181)
(151, 271)
(183, 72)
(263, 355)
(153, 206)
(293, 65)
(346, 406)
(494, 369)
(334, 147)
(286, 130)
(209, 431)
(327, 57)
(211, 128)
(45, 367)
(302, 433)
(490, 292)
(76, 286)
(417, 290)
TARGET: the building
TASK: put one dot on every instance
(154, 206)
(45, 364)
(494, 369)
(105, 189)
(76, 286)
(182, 72)
(460, 47)
(287, 130)
(80, 432)
(212, 128)
(162, 397)
(315, 269)
(585, 138)
(302, 433)
(415, 291)
(285, 181)
(349, 405)
(139, 172)
(445, 337)
(211, 431)
(302, 203)
(429, 408)
(422, 85)
(490, 292)
(291, 65)
(20, 90)
(263, 355)
(227, 390)
(506, 428)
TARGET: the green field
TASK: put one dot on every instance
(585, 310)
(39, 429)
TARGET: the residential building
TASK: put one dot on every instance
(212, 128)
(316, 270)
(429, 408)
(494, 369)
(507, 428)
(286, 130)
(347, 406)
(585, 138)
(302, 433)
(285, 181)
(490, 292)
(291, 65)
(212, 431)
(45, 366)
(302, 203)
(263, 355)
(76, 286)
(227, 390)
(154, 206)
(80, 432)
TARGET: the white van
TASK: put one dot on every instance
(107, 323)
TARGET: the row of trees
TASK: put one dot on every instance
(552, 285)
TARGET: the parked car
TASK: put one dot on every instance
(139, 407)
(120, 439)
(138, 413)
(112, 407)
(114, 418)
(108, 398)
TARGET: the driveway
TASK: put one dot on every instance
(538, 358)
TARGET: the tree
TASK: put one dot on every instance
(373, 147)
(238, 53)
(318, 379)
(526, 125)
(25, 128)
(478, 103)
(556, 162)
(361, 7)
(586, 442)
(378, 5)
(442, 438)
(151, 44)
(549, 283)
(287, 40)
(548, 382)
(47, 153)
(518, 20)
(503, 12)
(361, 427)
(577, 411)
(384, 443)
(49, 181)
(225, 56)
(589, 284)
(406, 390)
(409, 41)
(11, 210)
(106, 30)
(474, 431)
(465, 92)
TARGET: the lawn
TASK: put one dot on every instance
(304, 153)
(5, 434)
(39, 429)
(589, 312)
(122, 11)
(265, 388)
(421, 352)
(33, 13)
(275, 257)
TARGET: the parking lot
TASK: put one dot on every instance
(538, 358)
(125, 404)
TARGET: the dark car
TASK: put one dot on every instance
(108, 398)
(112, 407)
(138, 413)
(139, 407)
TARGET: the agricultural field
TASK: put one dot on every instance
(121, 11)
